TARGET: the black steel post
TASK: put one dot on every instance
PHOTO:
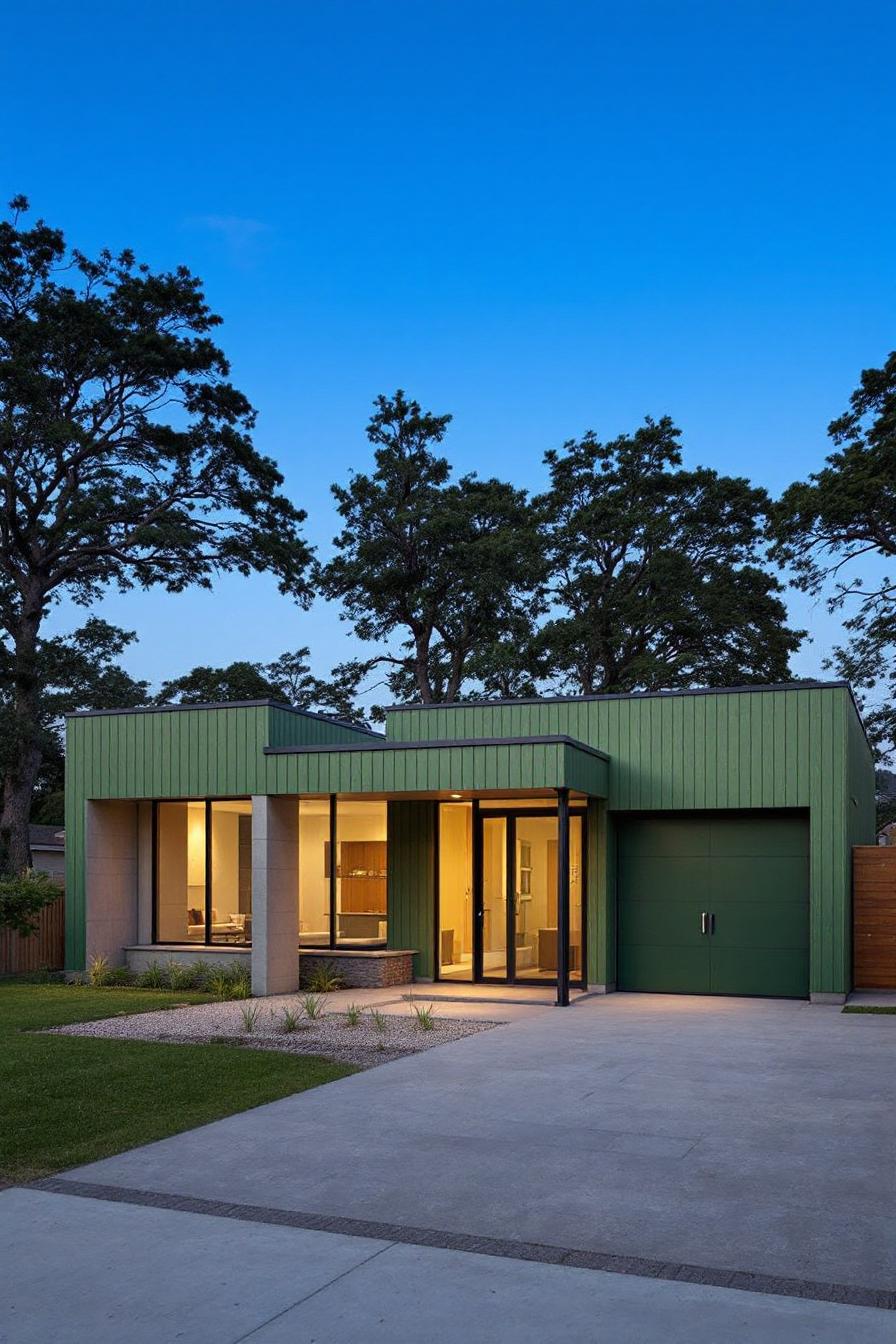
(563, 897)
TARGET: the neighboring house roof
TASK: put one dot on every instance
(47, 837)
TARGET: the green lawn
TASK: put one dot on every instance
(65, 1100)
(868, 1008)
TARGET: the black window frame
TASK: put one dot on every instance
(336, 944)
(207, 940)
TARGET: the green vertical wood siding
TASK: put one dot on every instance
(799, 747)
(411, 885)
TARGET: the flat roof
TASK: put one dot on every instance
(440, 744)
(227, 704)
(801, 685)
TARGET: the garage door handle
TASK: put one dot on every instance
(704, 917)
(712, 924)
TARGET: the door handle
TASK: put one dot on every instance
(704, 918)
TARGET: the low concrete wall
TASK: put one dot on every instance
(138, 958)
(357, 969)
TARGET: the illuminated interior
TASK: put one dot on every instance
(532, 889)
(204, 872)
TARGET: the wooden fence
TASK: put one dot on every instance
(43, 950)
(874, 916)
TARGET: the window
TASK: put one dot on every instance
(314, 879)
(203, 887)
(342, 894)
(360, 872)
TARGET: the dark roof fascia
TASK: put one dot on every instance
(227, 704)
(445, 743)
(626, 695)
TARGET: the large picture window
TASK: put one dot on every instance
(342, 873)
(203, 871)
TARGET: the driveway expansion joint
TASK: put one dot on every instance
(637, 1266)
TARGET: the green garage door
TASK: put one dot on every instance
(714, 905)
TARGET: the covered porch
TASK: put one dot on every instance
(468, 863)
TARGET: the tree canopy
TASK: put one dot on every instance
(74, 672)
(843, 515)
(656, 574)
(126, 455)
(428, 568)
(288, 678)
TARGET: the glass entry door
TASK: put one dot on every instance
(515, 907)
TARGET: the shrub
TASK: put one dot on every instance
(323, 978)
(352, 1015)
(240, 984)
(22, 898)
(289, 1020)
(229, 982)
(249, 1013)
(121, 975)
(426, 1018)
(152, 977)
(99, 971)
(200, 971)
(313, 1006)
(179, 977)
(378, 1021)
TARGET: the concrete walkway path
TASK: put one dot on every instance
(741, 1136)
(79, 1270)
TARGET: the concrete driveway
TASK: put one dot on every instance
(740, 1137)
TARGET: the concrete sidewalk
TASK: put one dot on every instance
(81, 1269)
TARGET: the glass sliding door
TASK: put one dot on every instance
(535, 894)
(494, 898)
(498, 893)
(455, 940)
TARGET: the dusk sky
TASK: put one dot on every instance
(540, 217)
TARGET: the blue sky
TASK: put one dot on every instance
(542, 217)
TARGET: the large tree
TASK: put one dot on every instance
(431, 570)
(837, 532)
(73, 672)
(656, 573)
(126, 458)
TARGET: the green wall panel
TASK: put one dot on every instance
(411, 881)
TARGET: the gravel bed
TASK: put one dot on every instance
(331, 1036)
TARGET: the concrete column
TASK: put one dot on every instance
(275, 895)
(111, 879)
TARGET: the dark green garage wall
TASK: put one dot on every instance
(801, 747)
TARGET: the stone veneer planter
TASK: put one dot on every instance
(358, 968)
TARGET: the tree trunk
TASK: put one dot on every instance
(421, 669)
(21, 777)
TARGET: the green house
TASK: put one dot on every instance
(682, 842)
